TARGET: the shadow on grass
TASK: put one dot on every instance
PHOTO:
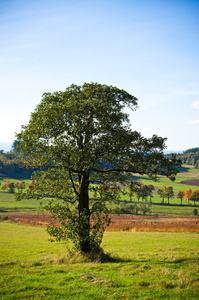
(107, 258)
(177, 261)
(183, 169)
(7, 264)
(184, 260)
(96, 256)
(104, 258)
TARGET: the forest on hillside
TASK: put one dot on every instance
(12, 164)
(190, 157)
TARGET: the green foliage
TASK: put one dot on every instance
(145, 208)
(134, 208)
(72, 225)
(166, 192)
(195, 196)
(80, 137)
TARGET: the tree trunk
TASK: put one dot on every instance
(84, 214)
(130, 197)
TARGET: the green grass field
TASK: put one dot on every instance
(142, 265)
(9, 205)
(147, 265)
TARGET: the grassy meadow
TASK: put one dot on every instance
(141, 265)
(9, 205)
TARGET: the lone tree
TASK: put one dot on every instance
(80, 138)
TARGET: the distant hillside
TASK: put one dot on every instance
(12, 165)
(173, 151)
(190, 157)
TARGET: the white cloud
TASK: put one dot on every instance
(195, 104)
(193, 122)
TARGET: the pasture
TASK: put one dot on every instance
(187, 173)
(140, 264)
(9, 205)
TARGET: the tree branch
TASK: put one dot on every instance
(118, 170)
(72, 181)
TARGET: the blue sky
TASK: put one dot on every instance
(148, 48)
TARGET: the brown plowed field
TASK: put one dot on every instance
(191, 182)
(122, 222)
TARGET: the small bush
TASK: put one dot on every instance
(133, 209)
(4, 218)
(195, 212)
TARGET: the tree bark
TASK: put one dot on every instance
(84, 214)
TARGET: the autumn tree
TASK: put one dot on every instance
(195, 196)
(144, 191)
(181, 195)
(81, 137)
(162, 192)
(188, 194)
(10, 186)
(150, 189)
(169, 192)
(31, 185)
(20, 185)
(166, 192)
(132, 188)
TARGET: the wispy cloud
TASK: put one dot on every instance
(195, 104)
(193, 122)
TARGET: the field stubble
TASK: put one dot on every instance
(122, 222)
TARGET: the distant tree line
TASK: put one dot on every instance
(145, 192)
(12, 165)
(190, 157)
(142, 191)
(12, 186)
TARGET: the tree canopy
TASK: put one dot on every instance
(82, 141)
